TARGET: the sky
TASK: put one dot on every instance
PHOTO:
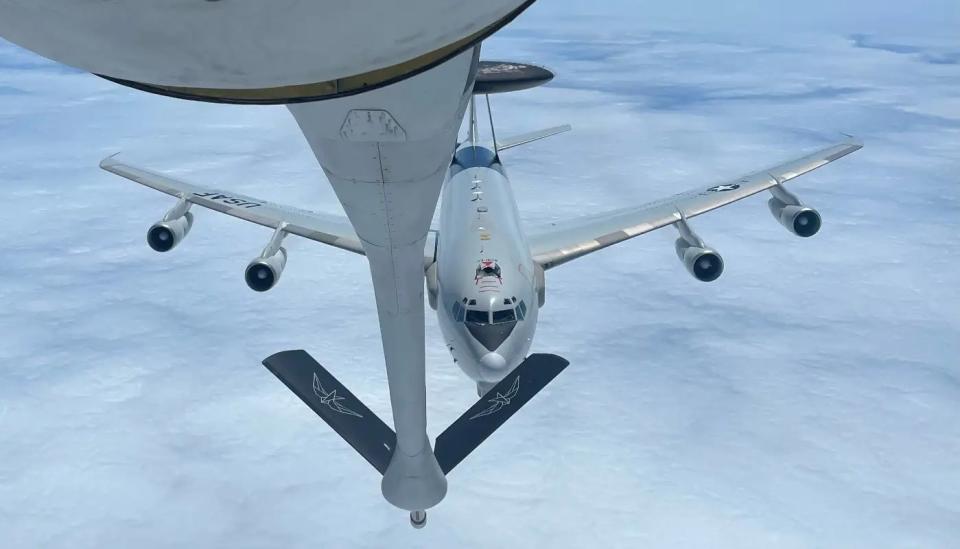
(808, 398)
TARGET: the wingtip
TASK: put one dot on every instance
(109, 161)
(853, 140)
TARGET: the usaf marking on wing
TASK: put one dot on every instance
(229, 200)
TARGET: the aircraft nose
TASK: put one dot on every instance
(493, 361)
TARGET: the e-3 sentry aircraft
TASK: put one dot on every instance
(484, 271)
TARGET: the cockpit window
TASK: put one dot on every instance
(521, 311)
(477, 316)
(506, 315)
(490, 335)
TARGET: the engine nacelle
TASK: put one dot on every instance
(798, 219)
(792, 214)
(705, 264)
(263, 273)
(164, 235)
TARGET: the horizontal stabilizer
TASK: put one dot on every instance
(342, 411)
(518, 140)
(495, 408)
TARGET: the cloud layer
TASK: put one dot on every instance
(807, 398)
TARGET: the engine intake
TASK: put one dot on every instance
(797, 218)
(164, 235)
(792, 214)
(705, 264)
(263, 273)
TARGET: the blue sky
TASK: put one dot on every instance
(807, 398)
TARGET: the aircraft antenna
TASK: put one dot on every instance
(493, 130)
(473, 120)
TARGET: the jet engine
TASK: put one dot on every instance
(264, 272)
(792, 214)
(165, 234)
(703, 262)
(798, 219)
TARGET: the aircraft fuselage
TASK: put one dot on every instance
(487, 297)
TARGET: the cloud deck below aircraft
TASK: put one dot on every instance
(807, 398)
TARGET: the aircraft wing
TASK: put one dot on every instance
(327, 229)
(562, 241)
(516, 141)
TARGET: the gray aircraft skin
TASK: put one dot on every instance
(486, 279)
